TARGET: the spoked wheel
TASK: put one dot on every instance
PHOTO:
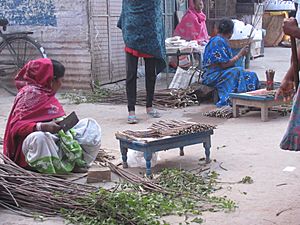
(13, 56)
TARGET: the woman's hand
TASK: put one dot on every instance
(286, 89)
(290, 27)
(244, 51)
(51, 127)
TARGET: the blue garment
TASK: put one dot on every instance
(142, 26)
(241, 61)
(231, 80)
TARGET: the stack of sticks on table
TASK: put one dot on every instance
(164, 128)
(179, 98)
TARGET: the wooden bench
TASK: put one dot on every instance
(262, 102)
(163, 144)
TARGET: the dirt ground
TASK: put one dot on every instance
(244, 146)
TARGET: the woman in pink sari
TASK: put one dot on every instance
(192, 26)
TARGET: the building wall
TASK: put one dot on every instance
(82, 34)
(107, 49)
(61, 27)
(107, 45)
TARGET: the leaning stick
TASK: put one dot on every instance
(295, 62)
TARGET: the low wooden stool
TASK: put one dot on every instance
(262, 102)
(148, 148)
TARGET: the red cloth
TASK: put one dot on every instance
(137, 53)
(35, 102)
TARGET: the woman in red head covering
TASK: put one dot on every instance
(32, 138)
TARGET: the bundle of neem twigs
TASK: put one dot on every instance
(162, 98)
(224, 112)
(282, 109)
(165, 128)
(30, 193)
(145, 183)
(178, 127)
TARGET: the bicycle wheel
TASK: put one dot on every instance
(14, 54)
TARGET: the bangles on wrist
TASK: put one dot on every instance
(236, 58)
(38, 126)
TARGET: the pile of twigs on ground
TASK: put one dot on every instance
(164, 128)
(162, 98)
(224, 112)
(104, 156)
(283, 110)
(145, 184)
(30, 193)
(36, 195)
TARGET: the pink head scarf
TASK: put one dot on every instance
(34, 103)
(192, 26)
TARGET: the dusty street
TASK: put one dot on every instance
(245, 146)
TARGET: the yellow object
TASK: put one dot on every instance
(286, 15)
(278, 13)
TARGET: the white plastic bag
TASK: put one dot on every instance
(88, 135)
(182, 78)
(136, 159)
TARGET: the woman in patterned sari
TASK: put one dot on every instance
(291, 138)
(220, 70)
(142, 27)
(33, 139)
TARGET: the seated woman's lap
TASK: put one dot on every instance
(232, 80)
(88, 135)
(42, 146)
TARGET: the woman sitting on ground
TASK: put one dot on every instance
(220, 70)
(33, 139)
(192, 25)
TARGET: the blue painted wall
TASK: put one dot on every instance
(29, 12)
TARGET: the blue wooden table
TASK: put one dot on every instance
(262, 102)
(148, 148)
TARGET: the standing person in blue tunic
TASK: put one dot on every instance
(141, 22)
(220, 70)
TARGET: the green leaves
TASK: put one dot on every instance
(76, 97)
(197, 220)
(130, 204)
(247, 180)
